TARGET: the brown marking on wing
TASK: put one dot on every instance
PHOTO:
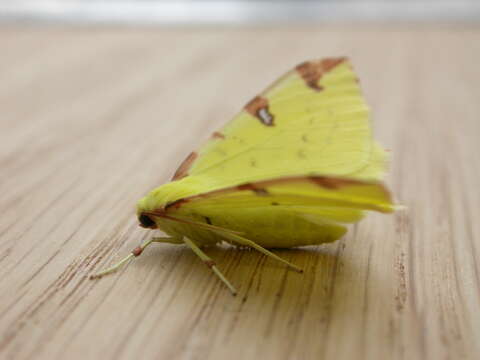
(312, 71)
(218, 135)
(333, 183)
(246, 186)
(175, 204)
(182, 170)
(257, 190)
(258, 107)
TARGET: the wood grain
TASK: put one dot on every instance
(91, 119)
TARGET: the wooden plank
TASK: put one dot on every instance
(94, 118)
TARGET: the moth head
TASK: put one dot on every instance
(159, 199)
(146, 221)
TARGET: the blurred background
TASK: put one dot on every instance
(100, 101)
(240, 12)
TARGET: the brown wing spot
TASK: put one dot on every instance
(258, 107)
(218, 135)
(175, 204)
(257, 191)
(332, 183)
(246, 186)
(182, 170)
(312, 71)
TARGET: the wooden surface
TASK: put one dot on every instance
(93, 119)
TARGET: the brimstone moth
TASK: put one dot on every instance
(291, 169)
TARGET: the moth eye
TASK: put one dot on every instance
(146, 221)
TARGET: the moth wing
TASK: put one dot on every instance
(313, 120)
(334, 198)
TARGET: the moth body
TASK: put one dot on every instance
(271, 226)
(268, 227)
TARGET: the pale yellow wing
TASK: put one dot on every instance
(313, 120)
(298, 193)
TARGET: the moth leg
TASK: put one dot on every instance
(135, 252)
(243, 241)
(209, 262)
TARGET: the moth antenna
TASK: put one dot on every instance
(194, 223)
(134, 253)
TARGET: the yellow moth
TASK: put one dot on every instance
(291, 169)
